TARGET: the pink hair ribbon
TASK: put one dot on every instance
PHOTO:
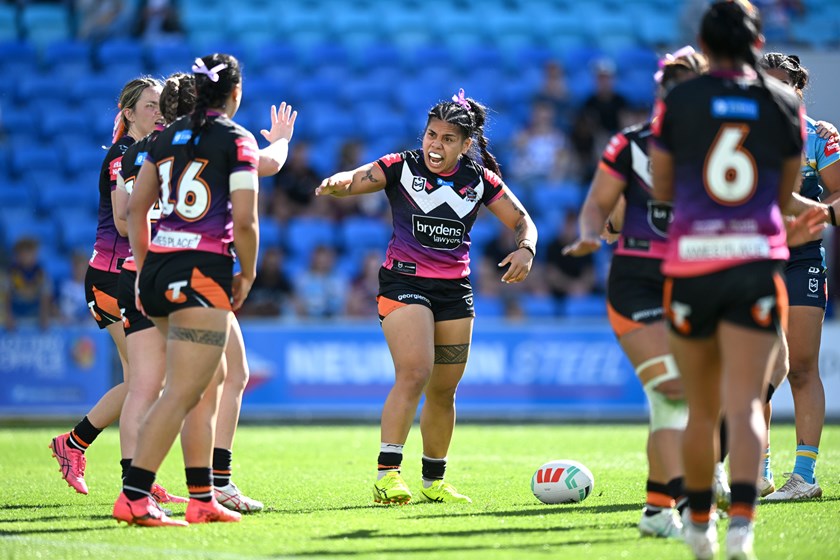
(461, 100)
(212, 73)
(669, 58)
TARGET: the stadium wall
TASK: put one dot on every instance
(329, 371)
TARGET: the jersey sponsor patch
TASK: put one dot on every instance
(659, 216)
(181, 137)
(246, 150)
(438, 233)
(617, 143)
(404, 267)
(115, 167)
(177, 240)
(831, 148)
(723, 247)
(141, 157)
(734, 108)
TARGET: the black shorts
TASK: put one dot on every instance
(634, 293)
(133, 320)
(179, 280)
(805, 276)
(751, 295)
(448, 299)
(101, 296)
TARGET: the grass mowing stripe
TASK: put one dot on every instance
(316, 484)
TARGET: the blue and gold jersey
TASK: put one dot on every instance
(817, 155)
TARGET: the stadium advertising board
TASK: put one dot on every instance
(323, 371)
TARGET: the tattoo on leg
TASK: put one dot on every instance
(452, 353)
(211, 338)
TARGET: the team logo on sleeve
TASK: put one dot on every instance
(246, 150)
(617, 143)
(418, 184)
(438, 233)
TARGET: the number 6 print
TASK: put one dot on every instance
(729, 173)
(191, 195)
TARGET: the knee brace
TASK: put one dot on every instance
(665, 413)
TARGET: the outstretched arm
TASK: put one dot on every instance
(366, 179)
(511, 213)
(273, 156)
(602, 198)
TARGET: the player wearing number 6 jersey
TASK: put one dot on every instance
(203, 168)
(725, 298)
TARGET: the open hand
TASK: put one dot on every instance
(282, 123)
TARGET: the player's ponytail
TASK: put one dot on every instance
(732, 29)
(216, 76)
(488, 159)
(178, 96)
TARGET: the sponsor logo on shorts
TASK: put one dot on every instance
(814, 270)
(679, 313)
(174, 293)
(403, 297)
(639, 316)
(762, 311)
(438, 233)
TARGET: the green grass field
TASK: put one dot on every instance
(316, 481)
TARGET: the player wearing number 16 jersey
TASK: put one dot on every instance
(203, 169)
(726, 151)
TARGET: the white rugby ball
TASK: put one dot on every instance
(562, 482)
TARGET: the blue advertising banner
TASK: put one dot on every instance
(56, 372)
(514, 371)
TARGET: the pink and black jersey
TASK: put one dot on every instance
(195, 183)
(728, 135)
(132, 161)
(433, 214)
(110, 248)
(645, 229)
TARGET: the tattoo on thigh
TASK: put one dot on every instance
(452, 353)
(211, 338)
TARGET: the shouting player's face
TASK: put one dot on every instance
(443, 145)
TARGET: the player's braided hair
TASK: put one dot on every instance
(470, 116)
(129, 96)
(215, 80)
(178, 96)
(797, 74)
(731, 29)
(694, 63)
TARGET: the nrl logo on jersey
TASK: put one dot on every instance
(418, 184)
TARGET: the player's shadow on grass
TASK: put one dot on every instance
(55, 530)
(541, 510)
(50, 518)
(432, 550)
(364, 534)
(31, 507)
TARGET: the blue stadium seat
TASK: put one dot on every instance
(359, 234)
(658, 29)
(58, 121)
(489, 306)
(304, 234)
(87, 157)
(95, 86)
(8, 23)
(16, 195)
(584, 306)
(23, 224)
(170, 56)
(484, 230)
(555, 199)
(77, 226)
(55, 263)
(636, 59)
(45, 23)
(816, 31)
(271, 233)
(28, 158)
(59, 53)
(538, 306)
(18, 55)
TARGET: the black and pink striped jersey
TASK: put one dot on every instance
(433, 214)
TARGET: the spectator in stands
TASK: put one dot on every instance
(99, 20)
(272, 290)
(321, 291)
(541, 149)
(583, 139)
(29, 289)
(295, 180)
(158, 19)
(567, 275)
(605, 103)
(555, 91)
(70, 298)
(361, 302)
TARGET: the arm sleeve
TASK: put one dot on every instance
(244, 154)
(391, 166)
(493, 187)
(616, 158)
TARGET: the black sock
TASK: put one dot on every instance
(700, 502)
(199, 483)
(138, 483)
(744, 494)
(222, 459)
(770, 391)
(390, 461)
(657, 495)
(433, 469)
(125, 464)
(83, 435)
(724, 442)
(676, 491)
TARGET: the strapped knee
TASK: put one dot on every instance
(665, 413)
